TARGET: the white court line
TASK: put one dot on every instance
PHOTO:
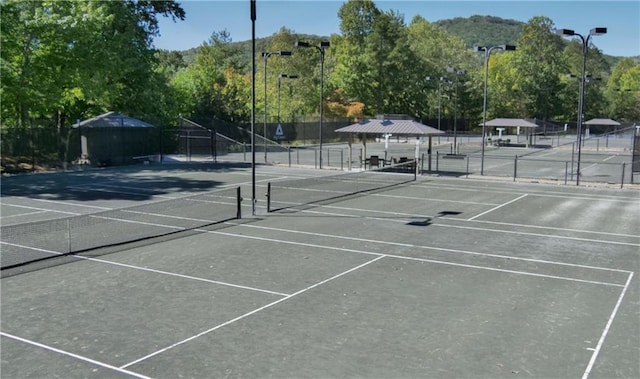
(42, 209)
(251, 312)
(26, 214)
(524, 273)
(530, 191)
(499, 206)
(76, 356)
(470, 227)
(226, 284)
(596, 164)
(594, 356)
(57, 202)
(382, 242)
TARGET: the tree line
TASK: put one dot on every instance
(69, 60)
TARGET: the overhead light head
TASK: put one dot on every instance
(324, 44)
(283, 76)
(598, 31)
(284, 53)
(302, 44)
(565, 32)
(479, 49)
(293, 76)
(508, 47)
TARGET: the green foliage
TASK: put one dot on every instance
(482, 30)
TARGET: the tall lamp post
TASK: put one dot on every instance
(265, 56)
(458, 72)
(280, 77)
(321, 48)
(440, 80)
(487, 54)
(585, 49)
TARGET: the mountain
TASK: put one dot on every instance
(483, 30)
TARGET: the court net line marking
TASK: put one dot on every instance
(498, 207)
(76, 356)
(252, 312)
(596, 351)
(403, 244)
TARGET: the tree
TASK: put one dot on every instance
(623, 91)
(68, 59)
(539, 63)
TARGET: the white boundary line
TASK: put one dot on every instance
(226, 284)
(499, 206)
(426, 247)
(251, 312)
(524, 273)
(594, 356)
(72, 355)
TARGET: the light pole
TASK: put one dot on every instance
(252, 9)
(280, 77)
(585, 49)
(321, 48)
(458, 72)
(440, 80)
(265, 56)
(487, 54)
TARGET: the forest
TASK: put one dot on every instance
(64, 61)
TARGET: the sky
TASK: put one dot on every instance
(320, 17)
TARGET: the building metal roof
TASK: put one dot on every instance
(394, 127)
(112, 120)
(510, 123)
(602, 122)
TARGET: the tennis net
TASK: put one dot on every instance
(23, 244)
(316, 191)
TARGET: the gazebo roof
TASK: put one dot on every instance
(113, 120)
(510, 123)
(394, 127)
(602, 122)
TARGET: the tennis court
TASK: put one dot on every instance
(367, 275)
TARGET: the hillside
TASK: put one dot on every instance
(483, 30)
(475, 31)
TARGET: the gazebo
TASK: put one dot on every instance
(604, 122)
(113, 138)
(388, 127)
(502, 123)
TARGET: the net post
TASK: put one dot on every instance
(68, 235)
(268, 195)
(622, 178)
(468, 159)
(239, 202)
(289, 154)
(415, 169)
(566, 171)
(515, 168)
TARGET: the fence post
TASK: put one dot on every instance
(341, 159)
(467, 158)
(268, 195)
(566, 169)
(239, 201)
(437, 161)
(289, 154)
(622, 178)
(315, 158)
(515, 168)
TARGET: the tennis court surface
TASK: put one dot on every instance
(166, 273)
